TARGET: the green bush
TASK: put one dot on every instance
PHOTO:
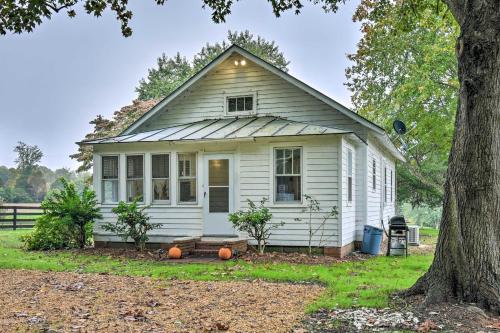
(68, 219)
(49, 234)
(255, 221)
(132, 223)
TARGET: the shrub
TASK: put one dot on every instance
(132, 222)
(50, 234)
(68, 212)
(255, 222)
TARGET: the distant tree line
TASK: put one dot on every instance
(29, 181)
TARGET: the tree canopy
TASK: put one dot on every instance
(18, 16)
(169, 74)
(409, 72)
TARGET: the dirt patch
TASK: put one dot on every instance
(69, 302)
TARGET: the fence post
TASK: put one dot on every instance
(14, 221)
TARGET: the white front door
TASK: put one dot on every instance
(218, 194)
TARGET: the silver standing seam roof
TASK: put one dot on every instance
(224, 129)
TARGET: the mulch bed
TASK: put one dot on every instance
(34, 301)
(250, 256)
(300, 258)
(406, 315)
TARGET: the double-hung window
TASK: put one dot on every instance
(160, 174)
(109, 179)
(135, 178)
(374, 174)
(385, 184)
(288, 174)
(391, 185)
(349, 175)
(187, 177)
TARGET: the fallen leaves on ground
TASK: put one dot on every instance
(70, 302)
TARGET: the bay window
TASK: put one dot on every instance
(288, 183)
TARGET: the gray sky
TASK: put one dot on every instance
(58, 78)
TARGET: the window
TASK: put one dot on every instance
(109, 179)
(187, 177)
(135, 178)
(374, 174)
(349, 175)
(391, 185)
(287, 174)
(240, 104)
(160, 173)
(385, 184)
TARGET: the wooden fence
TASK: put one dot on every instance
(14, 216)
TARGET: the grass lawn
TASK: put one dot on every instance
(350, 284)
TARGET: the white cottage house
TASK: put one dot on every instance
(242, 129)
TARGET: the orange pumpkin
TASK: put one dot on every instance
(225, 253)
(174, 253)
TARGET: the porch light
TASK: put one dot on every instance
(236, 62)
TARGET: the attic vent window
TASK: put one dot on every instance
(240, 104)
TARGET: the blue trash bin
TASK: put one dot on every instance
(372, 237)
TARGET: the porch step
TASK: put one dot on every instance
(216, 244)
(205, 253)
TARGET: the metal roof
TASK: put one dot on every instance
(225, 129)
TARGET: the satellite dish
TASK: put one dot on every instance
(399, 127)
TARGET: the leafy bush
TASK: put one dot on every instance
(50, 234)
(132, 223)
(255, 222)
(68, 219)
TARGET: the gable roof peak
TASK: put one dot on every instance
(266, 65)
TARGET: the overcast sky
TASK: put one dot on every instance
(58, 78)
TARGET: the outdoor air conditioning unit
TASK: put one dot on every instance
(413, 235)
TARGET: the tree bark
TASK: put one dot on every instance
(466, 265)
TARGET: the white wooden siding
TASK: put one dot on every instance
(253, 180)
(275, 96)
(376, 208)
(348, 208)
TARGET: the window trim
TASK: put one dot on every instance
(301, 175)
(169, 179)
(103, 180)
(179, 178)
(252, 94)
(143, 177)
(350, 190)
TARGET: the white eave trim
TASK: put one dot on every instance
(226, 54)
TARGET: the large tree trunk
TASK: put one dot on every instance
(467, 259)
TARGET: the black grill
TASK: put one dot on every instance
(398, 235)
